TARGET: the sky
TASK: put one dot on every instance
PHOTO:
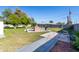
(43, 14)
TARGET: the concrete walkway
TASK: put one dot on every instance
(32, 47)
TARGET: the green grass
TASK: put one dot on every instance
(17, 38)
(55, 29)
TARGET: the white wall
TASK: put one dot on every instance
(1, 29)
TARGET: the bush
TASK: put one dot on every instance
(72, 37)
(76, 43)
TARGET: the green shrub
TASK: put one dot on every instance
(76, 43)
(76, 33)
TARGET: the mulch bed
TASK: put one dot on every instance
(62, 47)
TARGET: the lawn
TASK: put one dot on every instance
(55, 29)
(17, 38)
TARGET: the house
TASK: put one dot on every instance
(44, 27)
(1, 29)
(76, 27)
(50, 25)
(37, 28)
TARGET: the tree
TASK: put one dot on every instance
(50, 21)
(6, 21)
(25, 20)
(32, 22)
(19, 13)
(14, 20)
(17, 17)
(7, 12)
(60, 23)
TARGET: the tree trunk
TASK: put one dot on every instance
(25, 28)
(14, 27)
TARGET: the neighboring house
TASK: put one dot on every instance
(44, 27)
(50, 25)
(37, 28)
(76, 27)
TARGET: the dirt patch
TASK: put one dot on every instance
(62, 47)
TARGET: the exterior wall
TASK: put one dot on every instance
(1, 29)
(42, 27)
(76, 27)
(37, 29)
(50, 25)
